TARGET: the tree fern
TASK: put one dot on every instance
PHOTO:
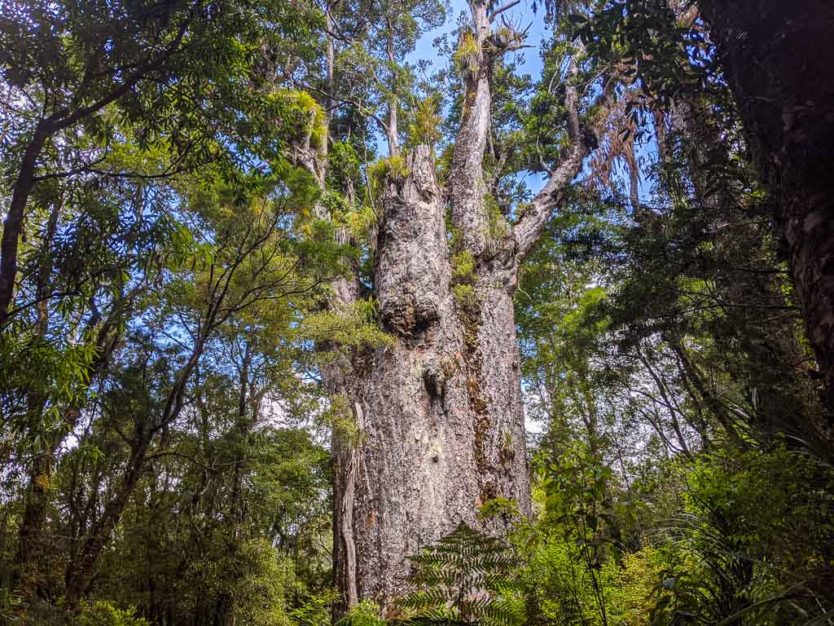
(467, 577)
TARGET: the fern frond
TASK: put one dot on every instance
(467, 577)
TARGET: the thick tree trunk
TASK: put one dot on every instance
(779, 63)
(439, 411)
(439, 417)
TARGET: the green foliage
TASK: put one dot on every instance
(102, 613)
(343, 165)
(465, 578)
(360, 222)
(498, 225)
(352, 327)
(315, 611)
(424, 125)
(464, 278)
(366, 613)
(463, 266)
(342, 420)
(465, 296)
(467, 57)
(160, 373)
(666, 392)
(302, 118)
(392, 169)
(500, 507)
(746, 523)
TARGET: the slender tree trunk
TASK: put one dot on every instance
(13, 224)
(779, 63)
(31, 535)
(391, 126)
(79, 572)
(225, 611)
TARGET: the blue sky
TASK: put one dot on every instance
(521, 15)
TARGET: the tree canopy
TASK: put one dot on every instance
(221, 218)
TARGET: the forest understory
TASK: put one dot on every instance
(390, 312)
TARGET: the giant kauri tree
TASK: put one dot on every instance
(437, 416)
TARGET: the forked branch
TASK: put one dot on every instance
(531, 225)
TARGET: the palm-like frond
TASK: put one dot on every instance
(464, 578)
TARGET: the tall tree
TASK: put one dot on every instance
(104, 106)
(436, 419)
(779, 63)
(71, 73)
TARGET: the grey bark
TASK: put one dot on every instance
(440, 410)
(441, 415)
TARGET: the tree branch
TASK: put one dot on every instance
(504, 7)
(531, 225)
(45, 129)
(466, 180)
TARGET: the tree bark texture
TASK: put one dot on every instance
(13, 223)
(779, 62)
(439, 412)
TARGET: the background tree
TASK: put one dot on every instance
(787, 116)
